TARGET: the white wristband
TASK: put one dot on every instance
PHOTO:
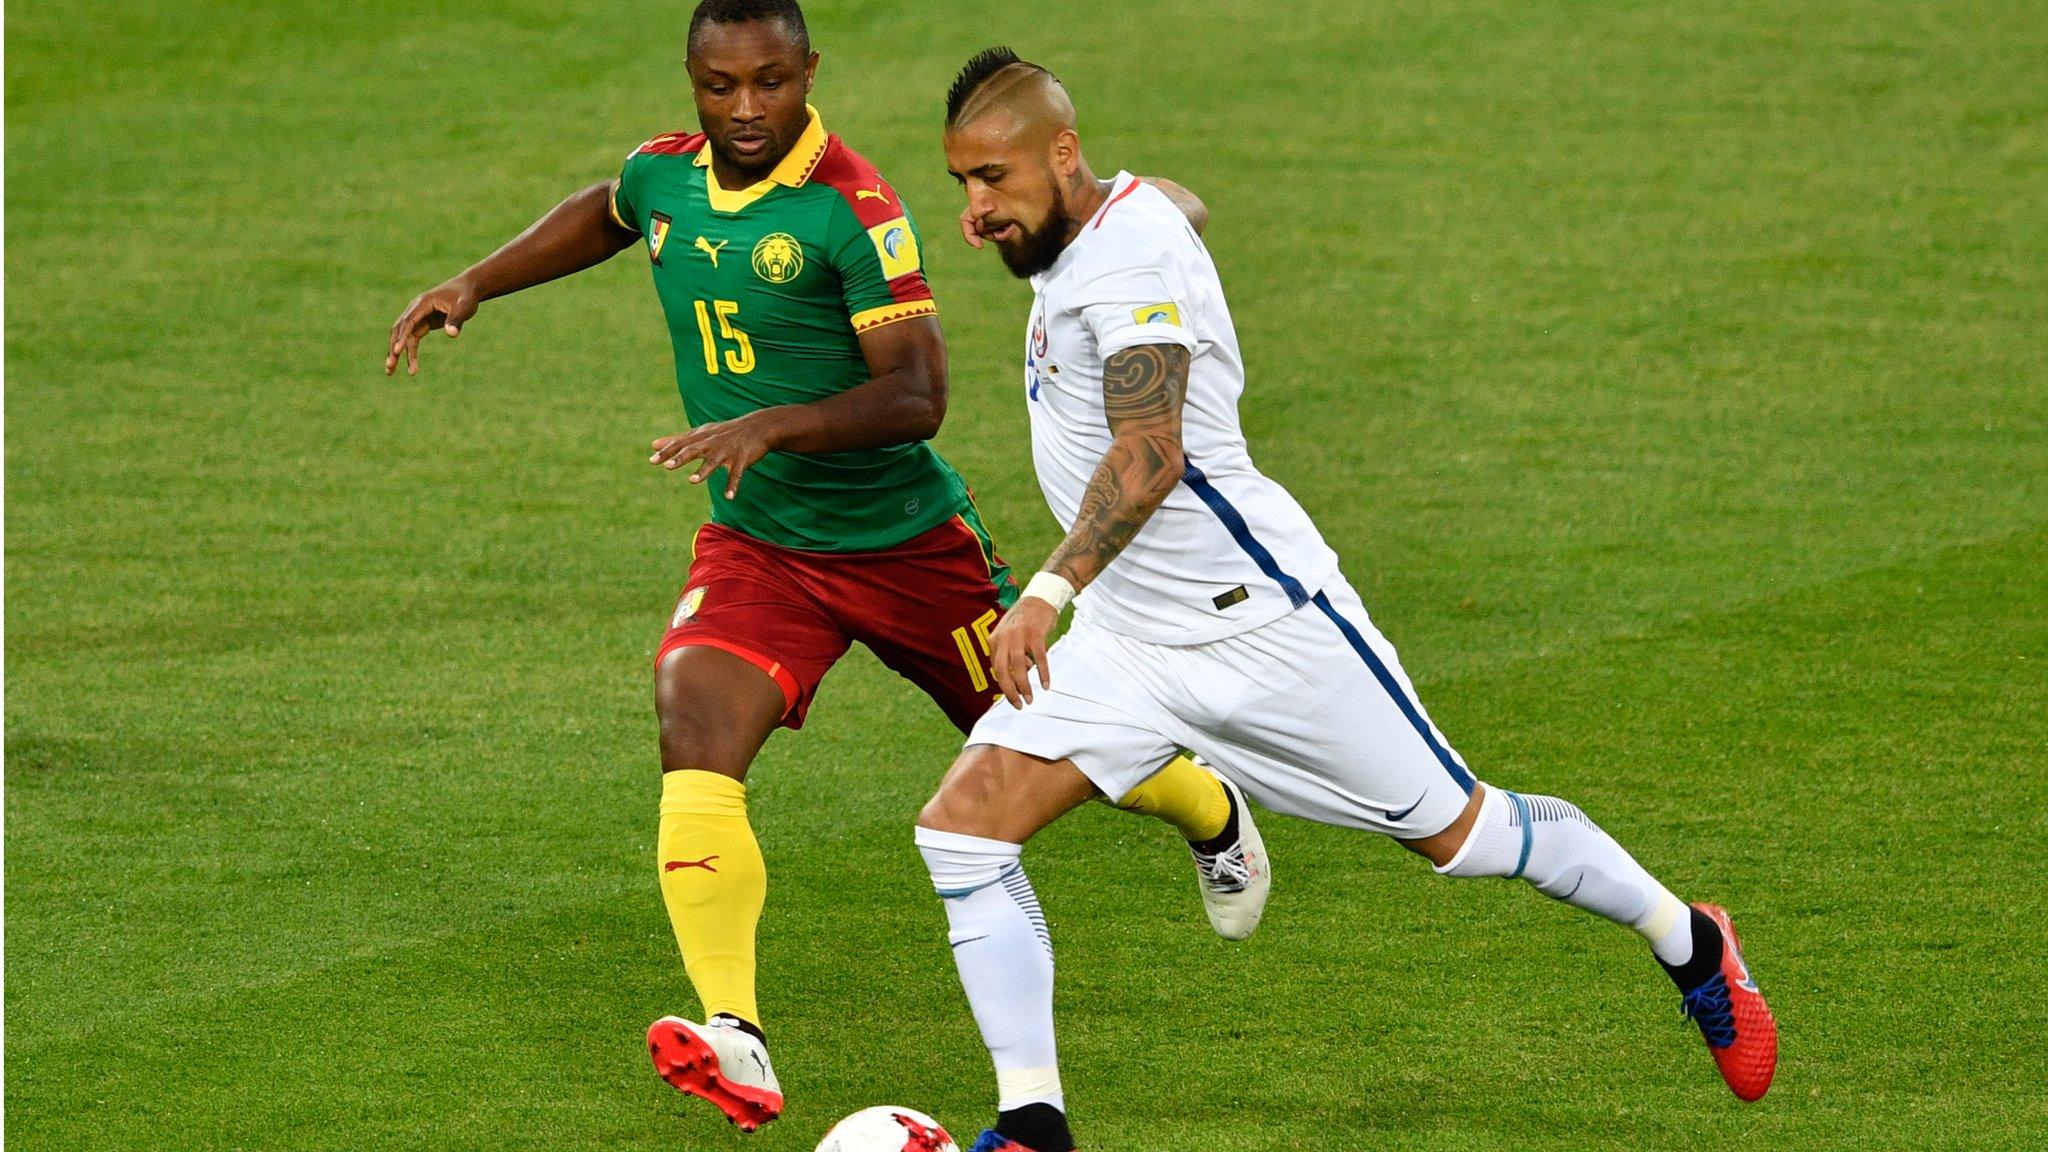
(1051, 588)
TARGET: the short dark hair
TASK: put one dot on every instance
(985, 64)
(789, 12)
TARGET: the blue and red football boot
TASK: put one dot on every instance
(1733, 1017)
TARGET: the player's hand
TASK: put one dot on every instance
(448, 307)
(1018, 645)
(734, 445)
(970, 228)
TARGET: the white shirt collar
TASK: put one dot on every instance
(1117, 187)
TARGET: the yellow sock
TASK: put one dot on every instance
(1184, 796)
(714, 883)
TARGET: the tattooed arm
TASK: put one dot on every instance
(1143, 389)
(1142, 392)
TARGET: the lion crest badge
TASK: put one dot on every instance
(778, 258)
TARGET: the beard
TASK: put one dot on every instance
(1037, 249)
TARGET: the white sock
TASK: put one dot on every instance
(1004, 954)
(1556, 847)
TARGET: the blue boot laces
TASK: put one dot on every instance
(1708, 1006)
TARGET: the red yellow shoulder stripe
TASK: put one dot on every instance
(875, 318)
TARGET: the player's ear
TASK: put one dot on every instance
(1066, 151)
(810, 72)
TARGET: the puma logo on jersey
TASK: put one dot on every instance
(710, 249)
(679, 865)
(878, 192)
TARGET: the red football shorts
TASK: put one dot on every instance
(924, 607)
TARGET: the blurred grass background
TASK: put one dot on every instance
(1672, 380)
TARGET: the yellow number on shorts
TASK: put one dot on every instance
(977, 664)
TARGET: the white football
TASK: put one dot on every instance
(888, 1129)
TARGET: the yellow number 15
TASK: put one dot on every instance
(739, 361)
(976, 664)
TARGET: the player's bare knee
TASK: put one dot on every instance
(1001, 794)
(1443, 847)
(688, 742)
(694, 736)
(938, 814)
(967, 796)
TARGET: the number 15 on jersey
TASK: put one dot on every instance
(739, 360)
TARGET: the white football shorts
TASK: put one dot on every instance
(1311, 715)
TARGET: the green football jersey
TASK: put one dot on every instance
(766, 291)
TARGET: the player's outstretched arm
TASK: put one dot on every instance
(577, 234)
(1143, 389)
(903, 403)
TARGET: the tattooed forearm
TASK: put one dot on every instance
(1134, 477)
(1143, 389)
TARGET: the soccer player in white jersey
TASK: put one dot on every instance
(1209, 615)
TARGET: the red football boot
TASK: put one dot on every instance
(1733, 1017)
(724, 1064)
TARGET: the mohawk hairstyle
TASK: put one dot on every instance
(741, 11)
(977, 73)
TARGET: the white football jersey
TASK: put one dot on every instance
(1230, 549)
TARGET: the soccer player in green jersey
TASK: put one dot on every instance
(812, 371)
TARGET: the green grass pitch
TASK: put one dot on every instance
(1673, 379)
